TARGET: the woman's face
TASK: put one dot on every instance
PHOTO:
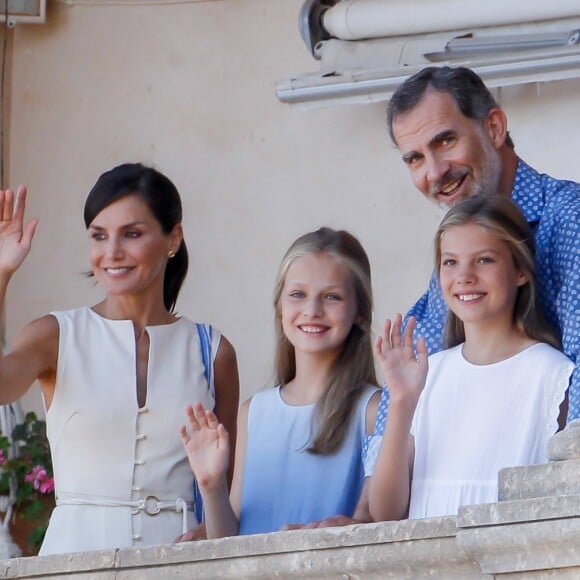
(128, 248)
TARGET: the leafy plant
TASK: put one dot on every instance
(27, 472)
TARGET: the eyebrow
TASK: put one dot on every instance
(435, 140)
(300, 283)
(478, 251)
(296, 284)
(124, 226)
(441, 136)
(408, 156)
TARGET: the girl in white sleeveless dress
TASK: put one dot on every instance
(494, 397)
(116, 376)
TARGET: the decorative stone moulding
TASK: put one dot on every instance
(532, 532)
(565, 445)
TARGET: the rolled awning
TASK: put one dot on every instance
(516, 49)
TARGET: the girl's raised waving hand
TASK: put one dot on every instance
(405, 373)
(207, 446)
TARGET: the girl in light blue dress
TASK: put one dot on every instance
(298, 453)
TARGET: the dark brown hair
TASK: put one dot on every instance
(466, 88)
(161, 197)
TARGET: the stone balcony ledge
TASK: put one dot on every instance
(532, 532)
(537, 538)
(405, 549)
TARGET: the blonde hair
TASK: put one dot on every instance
(354, 368)
(502, 217)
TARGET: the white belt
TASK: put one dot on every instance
(150, 505)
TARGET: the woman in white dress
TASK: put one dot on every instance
(116, 377)
(494, 397)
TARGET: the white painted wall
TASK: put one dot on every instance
(190, 88)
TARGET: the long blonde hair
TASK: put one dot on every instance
(354, 369)
(503, 218)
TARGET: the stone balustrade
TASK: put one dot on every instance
(532, 532)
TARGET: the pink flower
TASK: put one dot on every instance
(37, 476)
(3, 459)
(47, 486)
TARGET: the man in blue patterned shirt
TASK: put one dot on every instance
(454, 139)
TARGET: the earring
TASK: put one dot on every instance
(171, 254)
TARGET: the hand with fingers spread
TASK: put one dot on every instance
(15, 237)
(404, 371)
(405, 374)
(207, 446)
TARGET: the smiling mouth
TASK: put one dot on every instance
(451, 187)
(312, 329)
(468, 297)
(117, 271)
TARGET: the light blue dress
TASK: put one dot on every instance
(283, 482)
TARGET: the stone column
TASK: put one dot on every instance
(534, 529)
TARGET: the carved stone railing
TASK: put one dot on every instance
(534, 529)
(532, 532)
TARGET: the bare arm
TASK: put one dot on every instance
(33, 356)
(15, 237)
(405, 375)
(35, 349)
(207, 446)
(227, 395)
(206, 443)
(362, 511)
(240, 460)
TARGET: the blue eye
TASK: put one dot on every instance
(333, 296)
(297, 294)
(98, 236)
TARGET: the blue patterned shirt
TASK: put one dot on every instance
(552, 208)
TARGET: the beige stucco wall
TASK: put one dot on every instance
(189, 87)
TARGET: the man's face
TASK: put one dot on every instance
(450, 156)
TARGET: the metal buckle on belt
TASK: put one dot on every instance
(151, 507)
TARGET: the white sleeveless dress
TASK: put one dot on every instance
(108, 454)
(473, 420)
